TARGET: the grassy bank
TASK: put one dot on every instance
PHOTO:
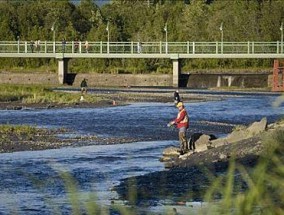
(29, 94)
(25, 137)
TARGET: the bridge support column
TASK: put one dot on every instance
(230, 80)
(219, 81)
(243, 82)
(176, 71)
(62, 70)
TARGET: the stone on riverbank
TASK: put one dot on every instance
(202, 143)
(241, 133)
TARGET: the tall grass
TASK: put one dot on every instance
(40, 94)
(265, 193)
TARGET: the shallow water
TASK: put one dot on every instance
(31, 182)
(149, 120)
(35, 177)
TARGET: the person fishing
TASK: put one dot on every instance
(176, 97)
(182, 123)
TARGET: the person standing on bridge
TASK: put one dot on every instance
(87, 46)
(76, 45)
(37, 45)
(139, 47)
(182, 123)
(32, 46)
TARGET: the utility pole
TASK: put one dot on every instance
(222, 37)
(107, 29)
(53, 30)
(18, 37)
(166, 31)
(281, 29)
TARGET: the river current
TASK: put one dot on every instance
(33, 182)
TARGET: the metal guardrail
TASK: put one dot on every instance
(190, 48)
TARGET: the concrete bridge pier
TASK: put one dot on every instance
(62, 70)
(230, 80)
(219, 81)
(176, 71)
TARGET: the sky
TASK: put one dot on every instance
(99, 2)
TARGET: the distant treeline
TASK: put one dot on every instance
(140, 20)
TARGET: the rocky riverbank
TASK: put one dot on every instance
(190, 176)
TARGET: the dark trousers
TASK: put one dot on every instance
(183, 141)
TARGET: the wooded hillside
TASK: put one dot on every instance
(141, 20)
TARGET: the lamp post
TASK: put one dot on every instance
(107, 29)
(222, 36)
(281, 29)
(18, 37)
(53, 30)
(166, 31)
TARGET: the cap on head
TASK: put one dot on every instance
(180, 104)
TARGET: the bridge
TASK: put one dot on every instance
(64, 51)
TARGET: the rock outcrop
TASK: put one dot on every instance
(191, 175)
(241, 133)
(206, 142)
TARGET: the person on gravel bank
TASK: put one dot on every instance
(84, 86)
(181, 122)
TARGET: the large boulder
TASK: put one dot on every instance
(257, 127)
(195, 139)
(170, 154)
(237, 135)
(241, 133)
(202, 143)
(218, 142)
(171, 151)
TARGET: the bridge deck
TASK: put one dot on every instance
(171, 50)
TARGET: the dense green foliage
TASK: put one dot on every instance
(141, 20)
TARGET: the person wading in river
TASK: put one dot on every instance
(181, 122)
(176, 97)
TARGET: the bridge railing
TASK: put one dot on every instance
(103, 47)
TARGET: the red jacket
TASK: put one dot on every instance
(182, 119)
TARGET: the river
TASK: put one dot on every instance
(32, 182)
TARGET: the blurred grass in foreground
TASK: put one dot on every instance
(265, 193)
(40, 94)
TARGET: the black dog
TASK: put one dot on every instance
(194, 137)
